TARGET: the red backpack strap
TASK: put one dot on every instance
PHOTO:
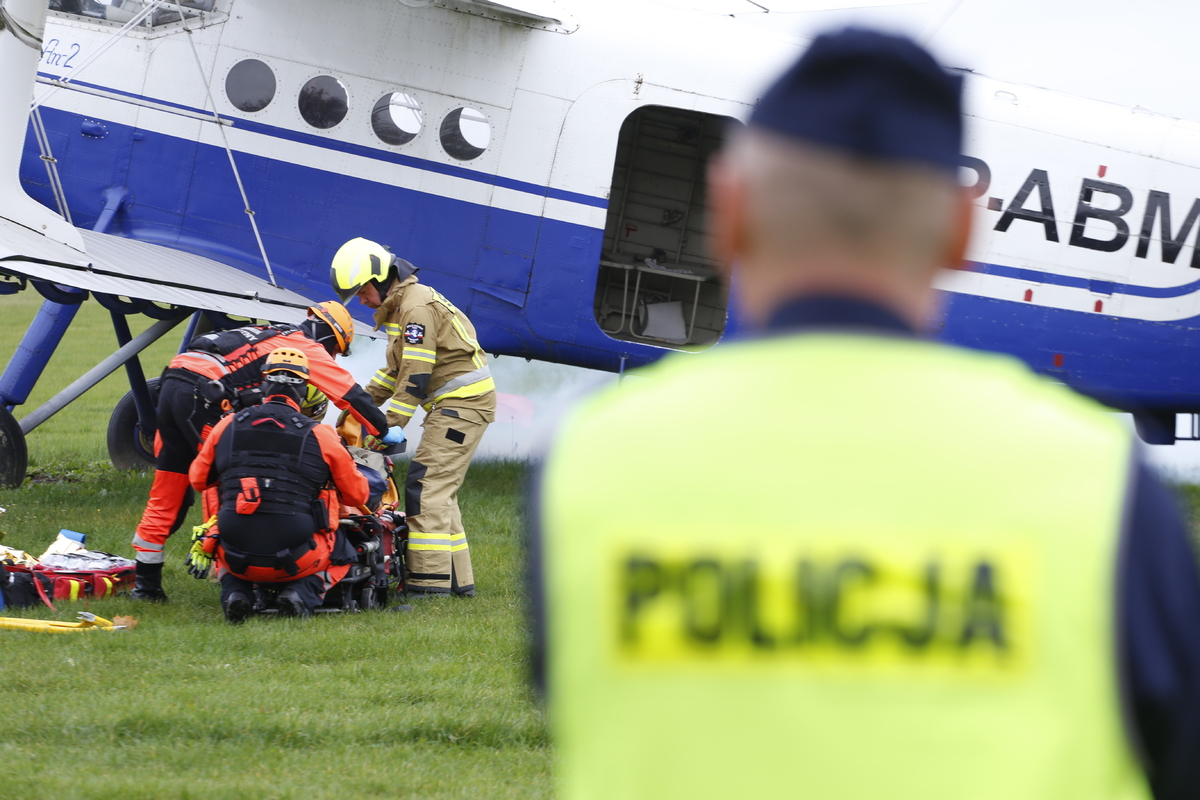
(41, 590)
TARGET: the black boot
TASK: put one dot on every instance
(290, 604)
(148, 583)
(237, 607)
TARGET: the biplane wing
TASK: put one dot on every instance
(139, 270)
(530, 12)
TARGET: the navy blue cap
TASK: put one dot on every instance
(872, 94)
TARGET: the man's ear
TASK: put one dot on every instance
(728, 234)
(960, 234)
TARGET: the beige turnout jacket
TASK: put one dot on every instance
(433, 357)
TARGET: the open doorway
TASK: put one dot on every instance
(657, 282)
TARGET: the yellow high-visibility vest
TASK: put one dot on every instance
(888, 574)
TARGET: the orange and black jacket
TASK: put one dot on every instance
(235, 357)
(272, 459)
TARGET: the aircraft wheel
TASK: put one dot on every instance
(14, 457)
(128, 447)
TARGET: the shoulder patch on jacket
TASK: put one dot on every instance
(414, 333)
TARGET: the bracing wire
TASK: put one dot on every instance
(262, 249)
(39, 131)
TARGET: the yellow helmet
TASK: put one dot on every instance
(360, 261)
(286, 365)
(315, 403)
(338, 319)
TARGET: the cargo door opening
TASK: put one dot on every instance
(657, 283)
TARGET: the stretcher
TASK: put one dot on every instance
(86, 622)
(379, 537)
(377, 575)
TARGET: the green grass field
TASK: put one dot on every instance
(428, 704)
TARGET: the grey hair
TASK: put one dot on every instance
(803, 200)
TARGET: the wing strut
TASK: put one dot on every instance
(142, 401)
(98, 373)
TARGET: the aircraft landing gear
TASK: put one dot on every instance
(14, 457)
(129, 446)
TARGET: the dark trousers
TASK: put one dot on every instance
(311, 590)
(183, 423)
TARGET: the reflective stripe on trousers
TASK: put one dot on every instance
(449, 542)
(439, 558)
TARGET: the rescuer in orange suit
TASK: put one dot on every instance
(221, 371)
(278, 521)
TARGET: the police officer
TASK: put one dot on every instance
(278, 522)
(433, 361)
(220, 371)
(920, 572)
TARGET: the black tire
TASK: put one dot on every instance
(368, 598)
(128, 448)
(14, 456)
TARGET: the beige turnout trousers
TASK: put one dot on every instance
(438, 559)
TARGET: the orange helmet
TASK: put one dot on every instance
(286, 365)
(341, 324)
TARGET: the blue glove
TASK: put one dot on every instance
(393, 435)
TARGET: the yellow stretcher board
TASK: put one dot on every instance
(86, 622)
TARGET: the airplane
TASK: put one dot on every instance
(542, 162)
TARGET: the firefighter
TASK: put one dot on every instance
(921, 572)
(435, 362)
(278, 521)
(221, 371)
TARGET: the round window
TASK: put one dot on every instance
(323, 101)
(465, 133)
(396, 118)
(250, 85)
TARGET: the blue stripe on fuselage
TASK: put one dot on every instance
(184, 195)
(1090, 284)
(1127, 363)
